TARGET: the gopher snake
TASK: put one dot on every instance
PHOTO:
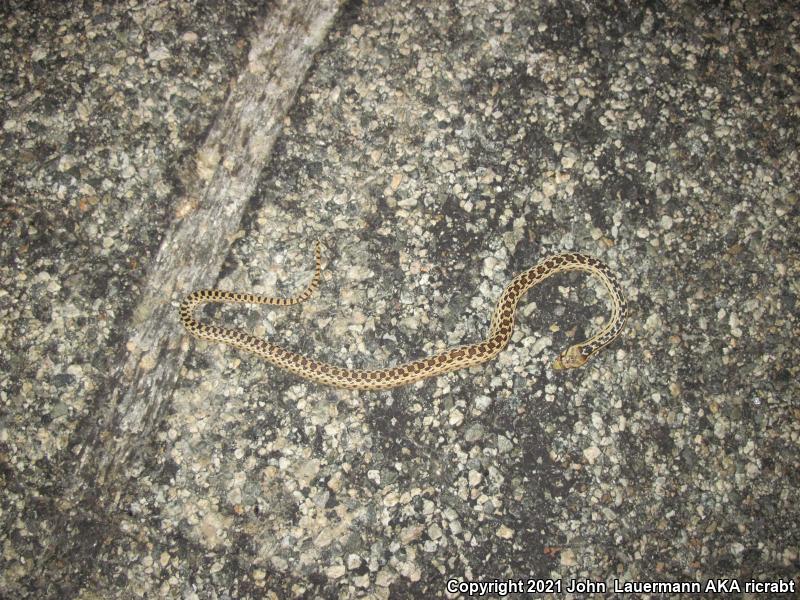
(500, 330)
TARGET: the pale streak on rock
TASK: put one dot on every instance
(230, 161)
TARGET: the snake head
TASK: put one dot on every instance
(570, 359)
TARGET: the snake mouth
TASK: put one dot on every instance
(572, 358)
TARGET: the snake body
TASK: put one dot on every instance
(500, 330)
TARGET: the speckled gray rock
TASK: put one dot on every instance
(436, 149)
(104, 113)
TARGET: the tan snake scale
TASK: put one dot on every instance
(502, 325)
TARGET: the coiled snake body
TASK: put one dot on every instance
(502, 325)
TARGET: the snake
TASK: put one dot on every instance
(500, 330)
